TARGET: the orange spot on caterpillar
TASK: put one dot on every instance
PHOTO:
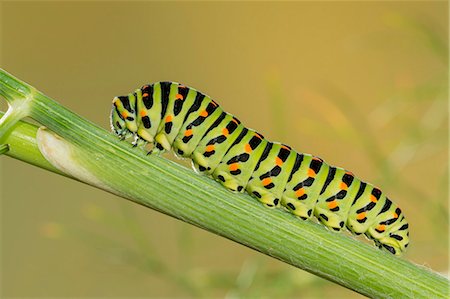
(248, 148)
(373, 198)
(381, 227)
(311, 173)
(179, 97)
(143, 113)
(124, 114)
(188, 133)
(145, 95)
(300, 192)
(209, 148)
(395, 215)
(332, 204)
(278, 161)
(285, 147)
(317, 159)
(234, 166)
(225, 132)
(169, 118)
(266, 181)
(343, 186)
(214, 103)
(258, 135)
(204, 113)
(349, 173)
(361, 216)
(235, 121)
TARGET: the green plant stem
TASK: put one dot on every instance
(20, 143)
(4, 148)
(165, 186)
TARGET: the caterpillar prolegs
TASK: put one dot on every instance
(175, 117)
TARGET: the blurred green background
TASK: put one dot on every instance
(361, 84)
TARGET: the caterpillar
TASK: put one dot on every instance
(175, 117)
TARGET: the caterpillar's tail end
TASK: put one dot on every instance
(393, 246)
(395, 240)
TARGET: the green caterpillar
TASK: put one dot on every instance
(175, 117)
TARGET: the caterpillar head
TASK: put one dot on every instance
(123, 115)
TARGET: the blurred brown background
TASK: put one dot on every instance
(361, 84)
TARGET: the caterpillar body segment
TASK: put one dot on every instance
(236, 167)
(335, 198)
(215, 144)
(195, 125)
(271, 174)
(175, 117)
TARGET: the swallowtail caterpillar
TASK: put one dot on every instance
(179, 118)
